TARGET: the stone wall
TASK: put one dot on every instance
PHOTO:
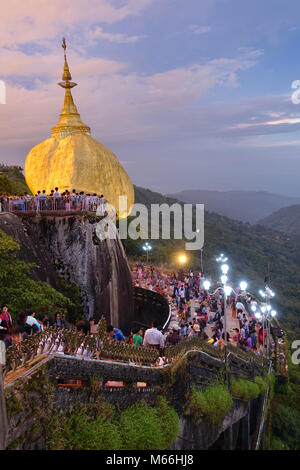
(53, 387)
(28, 401)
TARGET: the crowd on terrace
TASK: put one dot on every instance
(56, 200)
(194, 313)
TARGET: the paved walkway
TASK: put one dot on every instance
(195, 304)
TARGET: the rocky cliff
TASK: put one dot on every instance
(68, 247)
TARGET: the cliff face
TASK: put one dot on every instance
(68, 247)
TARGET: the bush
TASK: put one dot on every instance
(277, 444)
(286, 426)
(144, 427)
(169, 422)
(262, 385)
(99, 427)
(79, 431)
(271, 379)
(244, 389)
(18, 291)
(213, 404)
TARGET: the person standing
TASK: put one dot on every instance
(5, 323)
(154, 338)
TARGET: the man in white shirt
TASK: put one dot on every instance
(153, 338)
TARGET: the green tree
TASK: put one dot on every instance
(18, 291)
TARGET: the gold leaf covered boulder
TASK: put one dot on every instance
(72, 159)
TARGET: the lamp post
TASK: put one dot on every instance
(147, 247)
(226, 292)
(267, 315)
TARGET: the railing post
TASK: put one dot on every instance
(3, 413)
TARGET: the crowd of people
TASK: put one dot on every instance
(194, 313)
(56, 200)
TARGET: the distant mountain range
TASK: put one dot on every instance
(285, 220)
(246, 206)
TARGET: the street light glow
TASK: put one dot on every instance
(273, 313)
(243, 285)
(182, 259)
(206, 285)
(147, 246)
(224, 279)
(224, 268)
(227, 290)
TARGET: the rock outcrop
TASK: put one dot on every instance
(68, 247)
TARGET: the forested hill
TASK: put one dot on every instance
(286, 220)
(249, 247)
(247, 206)
(12, 180)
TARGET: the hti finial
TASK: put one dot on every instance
(66, 73)
(64, 45)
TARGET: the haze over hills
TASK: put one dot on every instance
(286, 220)
(247, 206)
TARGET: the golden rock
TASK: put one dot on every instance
(72, 159)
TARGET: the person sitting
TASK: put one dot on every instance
(59, 321)
(83, 327)
(194, 333)
(16, 336)
(115, 334)
(29, 323)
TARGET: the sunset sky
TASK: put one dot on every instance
(187, 93)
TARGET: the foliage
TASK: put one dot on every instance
(73, 293)
(213, 404)
(244, 389)
(12, 180)
(100, 426)
(271, 379)
(262, 385)
(18, 291)
(142, 427)
(169, 422)
(286, 409)
(79, 431)
(277, 444)
(286, 426)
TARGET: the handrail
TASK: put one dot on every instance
(262, 422)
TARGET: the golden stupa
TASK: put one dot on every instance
(72, 159)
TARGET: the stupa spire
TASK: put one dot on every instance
(70, 121)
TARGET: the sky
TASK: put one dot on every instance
(189, 94)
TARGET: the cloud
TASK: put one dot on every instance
(195, 29)
(98, 33)
(42, 20)
(267, 123)
(120, 106)
(15, 63)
